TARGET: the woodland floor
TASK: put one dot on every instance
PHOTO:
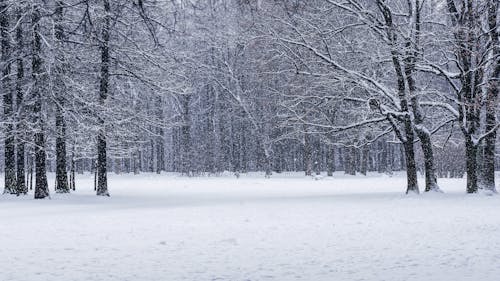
(289, 227)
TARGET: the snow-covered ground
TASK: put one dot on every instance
(288, 227)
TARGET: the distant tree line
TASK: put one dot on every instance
(206, 86)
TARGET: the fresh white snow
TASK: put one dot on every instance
(288, 227)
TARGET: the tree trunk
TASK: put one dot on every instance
(268, 161)
(353, 155)
(418, 123)
(466, 34)
(31, 165)
(10, 163)
(308, 165)
(365, 155)
(160, 143)
(382, 157)
(430, 170)
(487, 174)
(411, 168)
(41, 185)
(102, 179)
(331, 160)
(72, 183)
(21, 125)
(185, 137)
(61, 172)
(471, 159)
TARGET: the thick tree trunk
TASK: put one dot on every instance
(411, 168)
(41, 185)
(21, 126)
(471, 162)
(487, 174)
(430, 170)
(9, 158)
(61, 171)
(423, 134)
(408, 138)
(102, 179)
(466, 33)
(418, 122)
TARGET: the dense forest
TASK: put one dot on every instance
(201, 87)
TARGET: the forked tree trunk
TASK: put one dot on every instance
(465, 24)
(422, 133)
(408, 138)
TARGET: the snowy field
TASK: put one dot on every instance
(288, 227)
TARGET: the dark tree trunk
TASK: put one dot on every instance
(331, 160)
(61, 171)
(160, 143)
(382, 157)
(365, 155)
(317, 156)
(268, 162)
(408, 138)
(102, 179)
(41, 185)
(422, 133)
(471, 163)
(487, 174)
(31, 164)
(430, 170)
(21, 126)
(185, 144)
(425, 138)
(72, 183)
(308, 165)
(464, 22)
(10, 160)
(351, 163)
(95, 174)
(135, 164)
(411, 167)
